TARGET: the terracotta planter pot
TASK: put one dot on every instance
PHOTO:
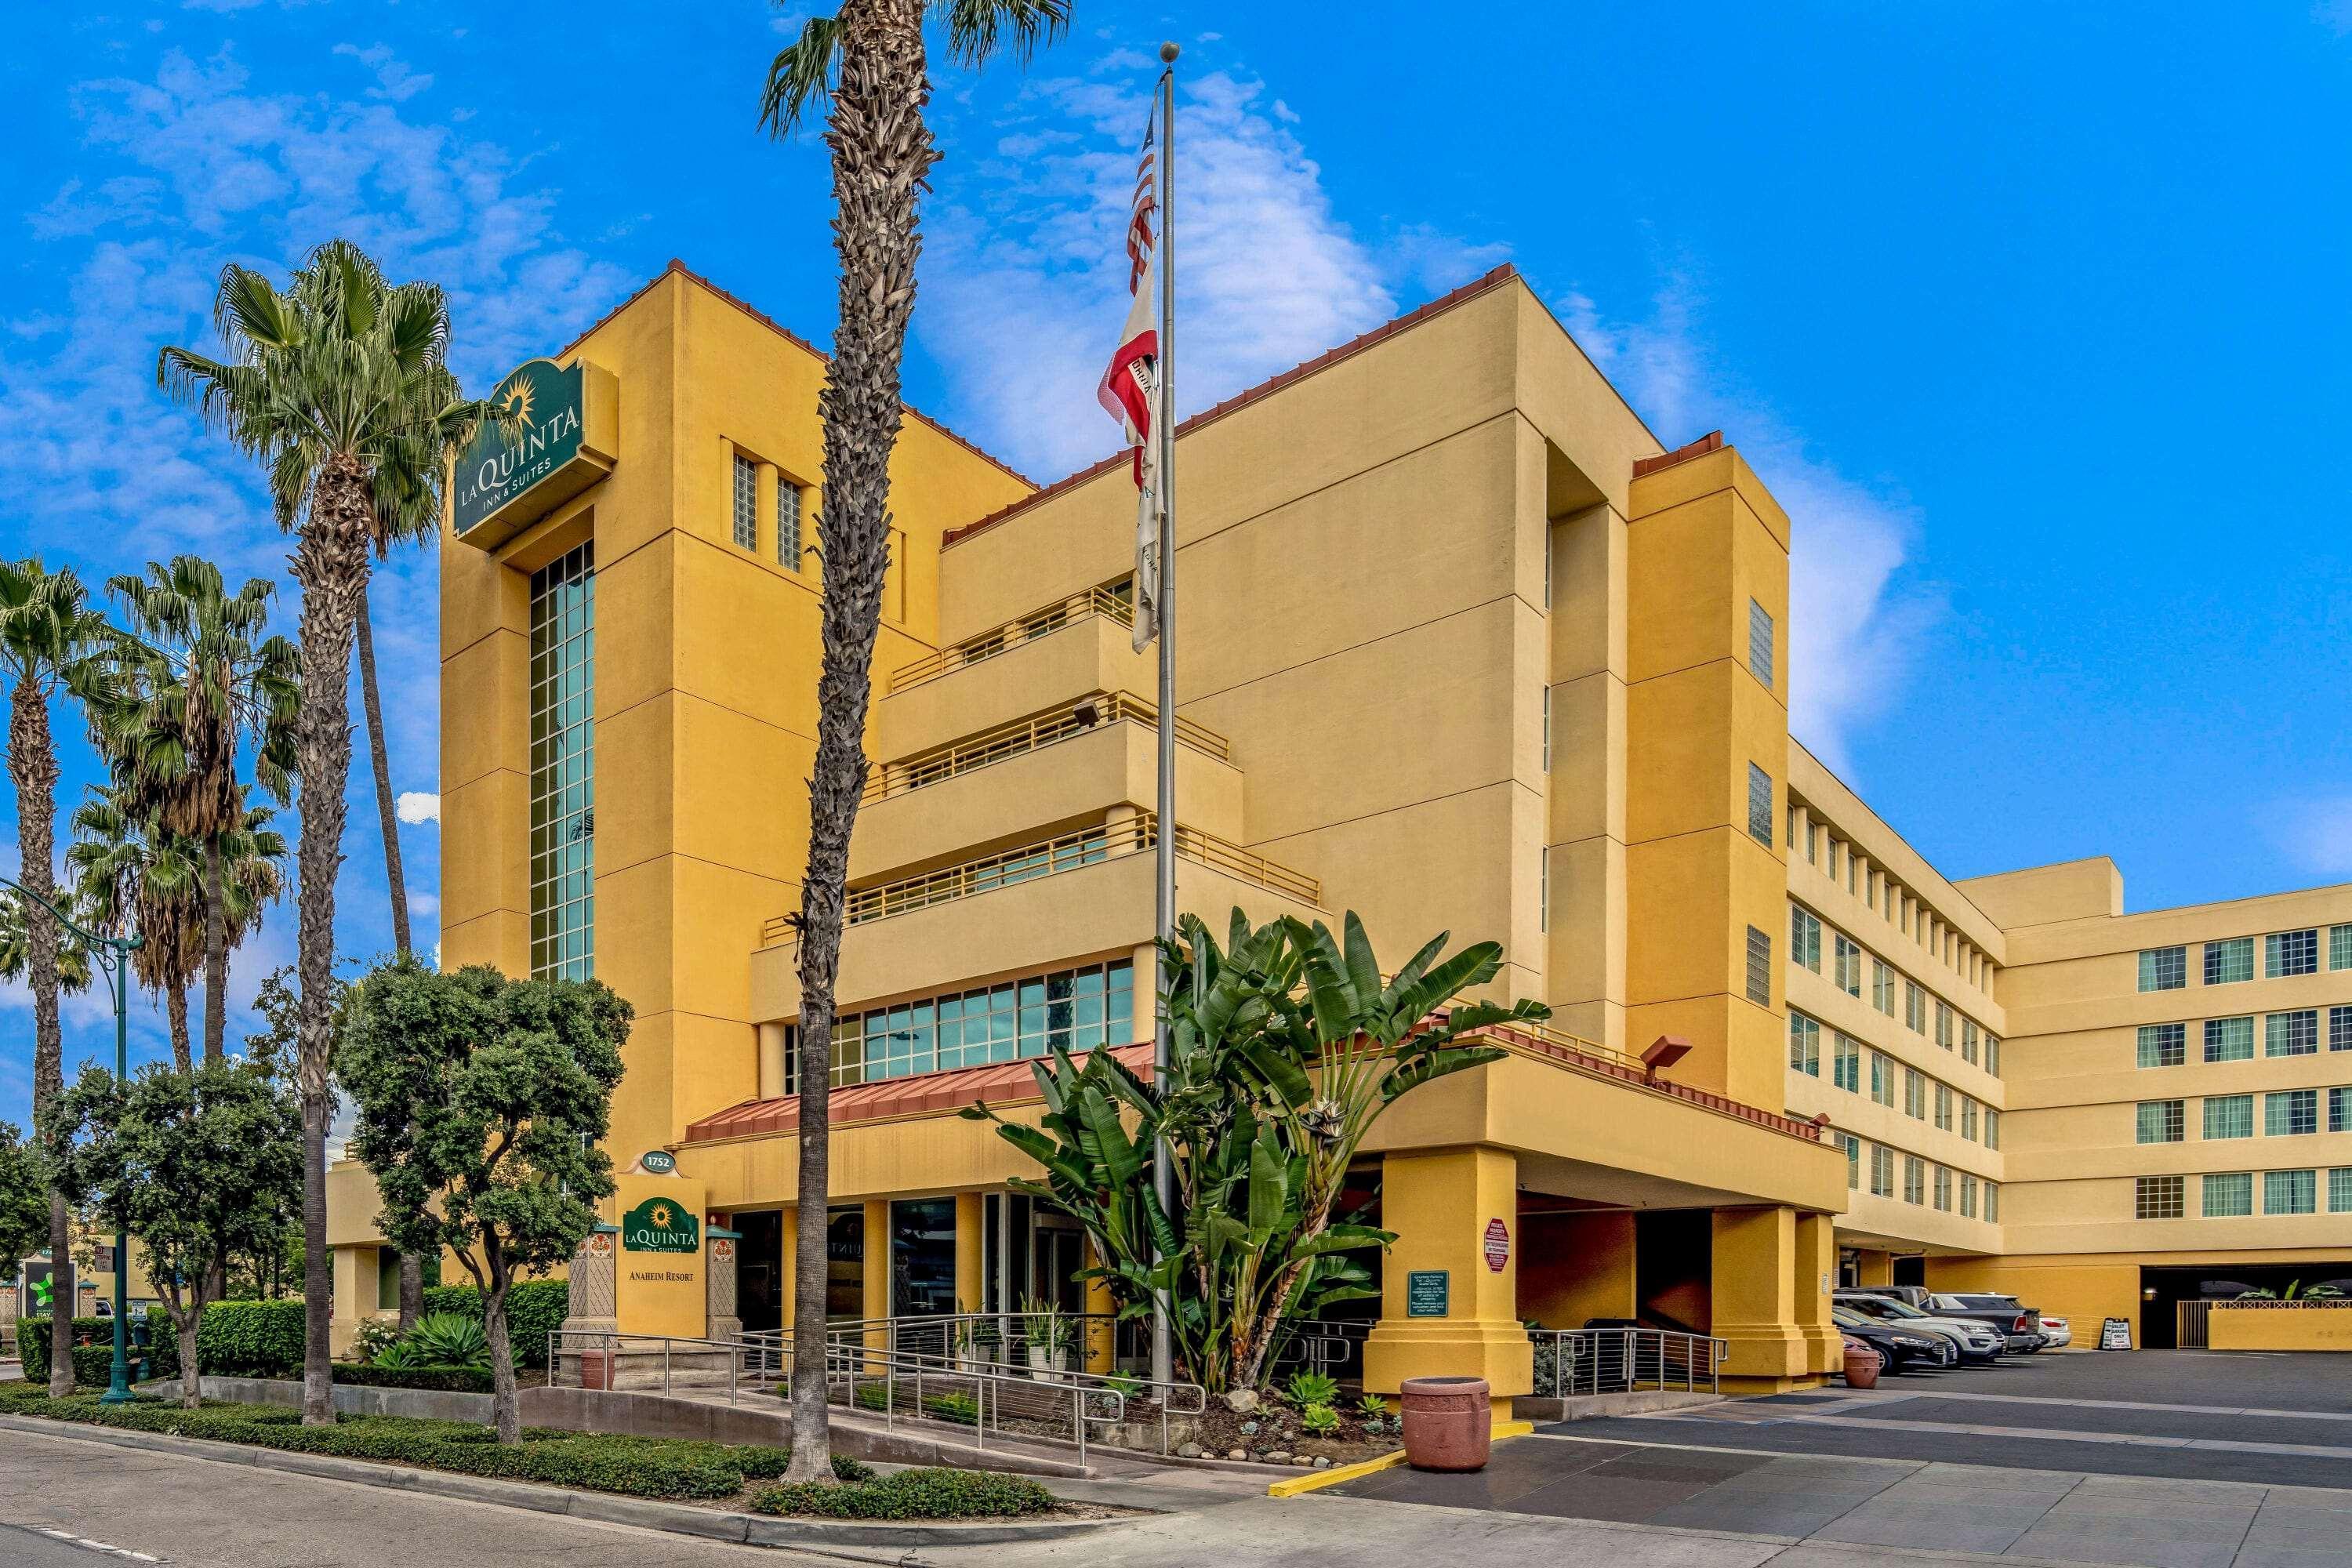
(1449, 1423)
(1862, 1369)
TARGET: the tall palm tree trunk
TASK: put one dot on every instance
(33, 768)
(331, 563)
(175, 1012)
(215, 955)
(412, 1268)
(881, 152)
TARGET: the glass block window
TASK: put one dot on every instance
(1760, 968)
(1968, 1040)
(1804, 1045)
(2163, 968)
(2163, 1044)
(1967, 1197)
(1944, 1107)
(1849, 965)
(2339, 1190)
(2288, 952)
(562, 710)
(2340, 947)
(1915, 1007)
(1882, 1170)
(1881, 1078)
(2229, 1039)
(1944, 1024)
(1760, 641)
(2339, 1029)
(2229, 961)
(2229, 1195)
(2295, 1033)
(1760, 806)
(2340, 1111)
(1943, 1188)
(1967, 1119)
(1074, 1010)
(1882, 988)
(1804, 937)
(2163, 1121)
(2291, 1113)
(1914, 1094)
(788, 524)
(2229, 1116)
(1992, 1128)
(1915, 1179)
(2290, 1192)
(1845, 1065)
(2159, 1197)
(747, 503)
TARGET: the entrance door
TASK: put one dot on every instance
(762, 1270)
(1057, 1251)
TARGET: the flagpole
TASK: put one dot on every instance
(1164, 612)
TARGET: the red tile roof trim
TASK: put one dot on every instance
(681, 269)
(1534, 1045)
(1710, 442)
(1323, 360)
(998, 1082)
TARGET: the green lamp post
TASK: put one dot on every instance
(112, 956)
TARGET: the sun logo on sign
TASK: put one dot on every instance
(661, 1217)
(514, 397)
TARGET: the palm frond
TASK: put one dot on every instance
(800, 79)
(979, 30)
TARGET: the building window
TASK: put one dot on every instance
(2295, 1033)
(1760, 806)
(2229, 1195)
(1992, 1056)
(1915, 1179)
(1812, 840)
(2340, 1111)
(1914, 1094)
(2291, 1113)
(1543, 888)
(788, 524)
(1968, 1040)
(1846, 1063)
(2339, 1029)
(1992, 1202)
(1915, 1007)
(2228, 1039)
(2340, 947)
(1944, 1107)
(2229, 1116)
(1882, 988)
(1882, 1170)
(1837, 857)
(2290, 1192)
(1547, 729)
(1792, 827)
(2339, 1190)
(1804, 937)
(2163, 1044)
(1967, 1119)
(2159, 1197)
(1881, 1078)
(1944, 1024)
(1072, 1010)
(747, 503)
(1967, 1197)
(1992, 1128)
(1943, 1188)
(1760, 641)
(562, 709)
(2289, 952)
(1852, 1159)
(2163, 1121)
(2229, 961)
(1849, 965)
(1760, 968)
(2163, 968)
(1804, 1045)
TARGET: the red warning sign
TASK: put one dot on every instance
(1499, 1246)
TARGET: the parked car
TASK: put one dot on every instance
(1909, 1295)
(2057, 1332)
(1903, 1350)
(1976, 1340)
(2021, 1325)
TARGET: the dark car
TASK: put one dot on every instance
(1900, 1349)
(2021, 1325)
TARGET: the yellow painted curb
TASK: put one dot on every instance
(1314, 1481)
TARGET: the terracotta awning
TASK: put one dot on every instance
(932, 1091)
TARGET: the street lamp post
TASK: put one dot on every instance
(112, 956)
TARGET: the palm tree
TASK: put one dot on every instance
(338, 378)
(189, 688)
(46, 631)
(867, 64)
(16, 949)
(132, 874)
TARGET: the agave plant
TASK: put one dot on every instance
(440, 1338)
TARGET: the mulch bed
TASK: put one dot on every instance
(1271, 1434)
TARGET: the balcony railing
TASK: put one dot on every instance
(1068, 852)
(1114, 603)
(1086, 715)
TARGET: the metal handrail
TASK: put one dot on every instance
(1021, 736)
(1618, 1361)
(1029, 628)
(611, 1344)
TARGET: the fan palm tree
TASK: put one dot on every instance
(132, 874)
(17, 948)
(193, 683)
(341, 376)
(865, 64)
(46, 633)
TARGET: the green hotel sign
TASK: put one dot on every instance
(562, 442)
(661, 1224)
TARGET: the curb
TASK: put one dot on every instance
(1318, 1480)
(604, 1507)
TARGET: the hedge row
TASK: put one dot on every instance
(911, 1494)
(93, 1355)
(434, 1379)
(639, 1467)
(535, 1309)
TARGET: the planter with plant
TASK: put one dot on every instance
(1049, 1334)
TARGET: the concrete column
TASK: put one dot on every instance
(1099, 1343)
(971, 1255)
(356, 1293)
(771, 1061)
(788, 1296)
(1816, 1264)
(1754, 1294)
(1440, 1203)
(877, 1267)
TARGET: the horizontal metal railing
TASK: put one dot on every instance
(1571, 1362)
(1024, 736)
(597, 1358)
(1040, 622)
(1089, 1339)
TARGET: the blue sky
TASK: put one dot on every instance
(2034, 316)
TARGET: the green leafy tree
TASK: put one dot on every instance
(342, 377)
(866, 67)
(481, 1101)
(48, 632)
(198, 1166)
(23, 1199)
(1286, 1046)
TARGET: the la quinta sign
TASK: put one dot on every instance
(562, 440)
(661, 1224)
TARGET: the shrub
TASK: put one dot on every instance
(1306, 1388)
(440, 1338)
(911, 1494)
(424, 1375)
(251, 1339)
(375, 1336)
(873, 1396)
(94, 1348)
(961, 1408)
(535, 1309)
(1319, 1420)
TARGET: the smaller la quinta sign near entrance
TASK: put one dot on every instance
(661, 1224)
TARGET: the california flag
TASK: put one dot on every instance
(1129, 394)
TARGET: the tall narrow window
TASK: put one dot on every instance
(1882, 1170)
(2163, 968)
(1547, 729)
(1914, 1094)
(2339, 1190)
(2289, 952)
(1760, 968)
(1846, 1063)
(2339, 1029)
(747, 503)
(1915, 1179)
(1915, 1007)
(1968, 1040)
(1944, 1024)
(1992, 1055)
(563, 766)
(1804, 937)
(1849, 965)
(1944, 1107)
(1854, 1160)
(1882, 988)
(1967, 1119)
(1881, 1078)
(2339, 1109)
(1760, 641)
(1992, 1128)
(1943, 1188)
(1543, 888)
(788, 524)
(1760, 806)
(1804, 1045)
(2340, 947)
(1992, 1202)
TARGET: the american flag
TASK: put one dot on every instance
(1129, 388)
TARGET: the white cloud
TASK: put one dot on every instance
(394, 80)
(415, 806)
(1855, 624)
(2315, 832)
